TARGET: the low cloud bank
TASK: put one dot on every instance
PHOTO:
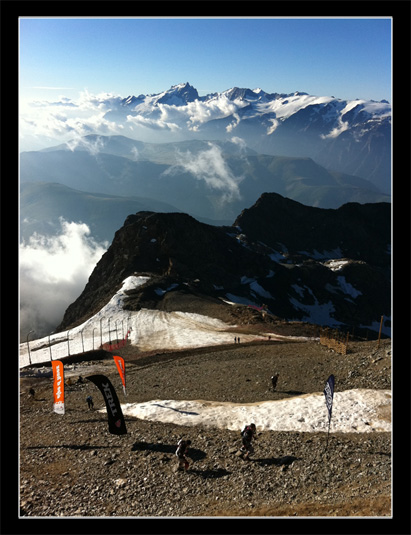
(44, 123)
(53, 272)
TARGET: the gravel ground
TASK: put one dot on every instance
(71, 466)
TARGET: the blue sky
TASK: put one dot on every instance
(348, 58)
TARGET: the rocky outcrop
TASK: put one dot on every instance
(355, 231)
(276, 257)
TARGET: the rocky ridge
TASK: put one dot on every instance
(276, 257)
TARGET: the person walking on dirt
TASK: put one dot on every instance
(274, 380)
(247, 434)
(181, 452)
(90, 403)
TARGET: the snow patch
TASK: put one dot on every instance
(258, 289)
(148, 330)
(336, 265)
(160, 291)
(353, 411)
(348, 288)
(239, 300)
(321, 314)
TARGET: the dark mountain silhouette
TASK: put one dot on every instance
(355, 231)
(279, 255)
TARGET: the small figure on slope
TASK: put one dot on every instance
(181, 452)
(274, 380)
(247, 434)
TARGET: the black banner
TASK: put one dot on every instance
(116, 423)
(329, 395)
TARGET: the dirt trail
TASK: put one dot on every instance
(71, 466)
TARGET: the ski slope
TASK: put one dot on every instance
(148, 330)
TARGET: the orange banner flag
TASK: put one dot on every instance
(58, 386)
(122, 371)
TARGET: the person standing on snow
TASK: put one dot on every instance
(181, 452)
(247, 434)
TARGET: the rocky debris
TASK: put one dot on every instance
(71, 466)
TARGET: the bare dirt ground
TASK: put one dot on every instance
(71, 466)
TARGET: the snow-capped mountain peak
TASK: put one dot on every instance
(177, 95)
(349, 136)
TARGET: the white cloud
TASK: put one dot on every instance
(101, 101)
(135, 153)
(201, 112)
(234, 123)
(156, 124)
(105, 113)
(92, 146)
(210, 166)
(240, 142)
(53, 272)
(335, 132)
(67, 118)
(273, 127)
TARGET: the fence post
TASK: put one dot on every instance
(51, 356)
(379, 334)
(28, 345)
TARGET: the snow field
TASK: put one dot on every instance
(149, 330)
(353, 411)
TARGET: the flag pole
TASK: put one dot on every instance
(328, 434)
(329, 394)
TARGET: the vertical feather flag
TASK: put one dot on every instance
(58, 386)
(122, 371)
(329, 396)
(116, 423)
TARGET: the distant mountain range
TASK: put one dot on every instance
(210, 180)
(349, 136)
(220, 153)
(42, 204)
